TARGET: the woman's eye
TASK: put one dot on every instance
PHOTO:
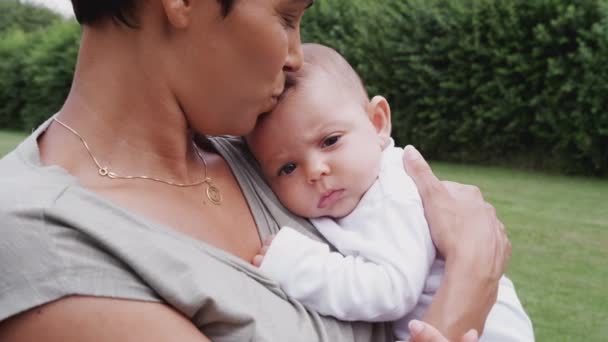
(330, 141)
(287, 169)
(289, 21)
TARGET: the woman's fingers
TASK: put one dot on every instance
(471, 336)
(460, 190)
(427, 183)
(424, 332)
(503, 247)
(467, 233)
(470, 199)
(257, 260)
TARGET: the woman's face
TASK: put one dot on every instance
(233, 67)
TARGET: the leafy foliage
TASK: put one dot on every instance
(13, 52)
(506, 82)
(37, 56)
(37, 70)
(18, 15)
(48, 72)
(483, 80)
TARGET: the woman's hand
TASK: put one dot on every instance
(466, 231)
(424, 332)
(460, 219)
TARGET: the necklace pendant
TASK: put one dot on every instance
(103, 171)
(213, 194)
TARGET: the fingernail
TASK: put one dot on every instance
(415, 327)
(257, 260)
(411, 153)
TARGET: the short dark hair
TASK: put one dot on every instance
(120, 11)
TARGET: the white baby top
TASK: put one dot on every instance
(386, 268)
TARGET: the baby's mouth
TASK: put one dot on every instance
(329, 197)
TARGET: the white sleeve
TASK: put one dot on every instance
(374, 282)
(507, 321)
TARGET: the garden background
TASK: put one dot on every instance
(509, 95)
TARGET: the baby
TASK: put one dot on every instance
(327, 154)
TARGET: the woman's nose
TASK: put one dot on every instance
(295, 57)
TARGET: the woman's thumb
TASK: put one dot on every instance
(420, 171)
(423, 332)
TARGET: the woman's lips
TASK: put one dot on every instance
(272, 103)
(329, 198)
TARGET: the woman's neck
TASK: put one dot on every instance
(120, 104)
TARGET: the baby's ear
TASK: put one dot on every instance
(379, 112)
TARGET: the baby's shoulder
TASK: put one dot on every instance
(393, 181)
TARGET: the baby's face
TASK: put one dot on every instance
(319, 151)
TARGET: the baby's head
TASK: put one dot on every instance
(321, 146)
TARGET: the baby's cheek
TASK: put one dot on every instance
(299, 206)
(288, 195)
(348, 205)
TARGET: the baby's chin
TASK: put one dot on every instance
(336, 212)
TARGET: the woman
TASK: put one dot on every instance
(115, 221)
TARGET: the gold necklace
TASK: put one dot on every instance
(213, 193)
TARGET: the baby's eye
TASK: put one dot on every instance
(330, 141)
(287, 169)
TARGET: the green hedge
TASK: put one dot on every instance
(37, 69)
(49, 71)
(28, 17)
(20, 34)
(512, 82)
(13, 52)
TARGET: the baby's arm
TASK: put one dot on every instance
(381, 274)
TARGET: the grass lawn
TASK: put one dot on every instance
(559, 229)
(8, 140)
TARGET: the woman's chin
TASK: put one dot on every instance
(247, 126)
(240, 127)
(244, 130)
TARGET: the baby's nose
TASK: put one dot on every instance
(317, 170)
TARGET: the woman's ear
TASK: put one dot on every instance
(178, 12)
(379, 113)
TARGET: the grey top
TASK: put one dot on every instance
(58, 239)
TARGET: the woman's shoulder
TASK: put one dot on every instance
(43, 254)
(27, 189)
(23, 178)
